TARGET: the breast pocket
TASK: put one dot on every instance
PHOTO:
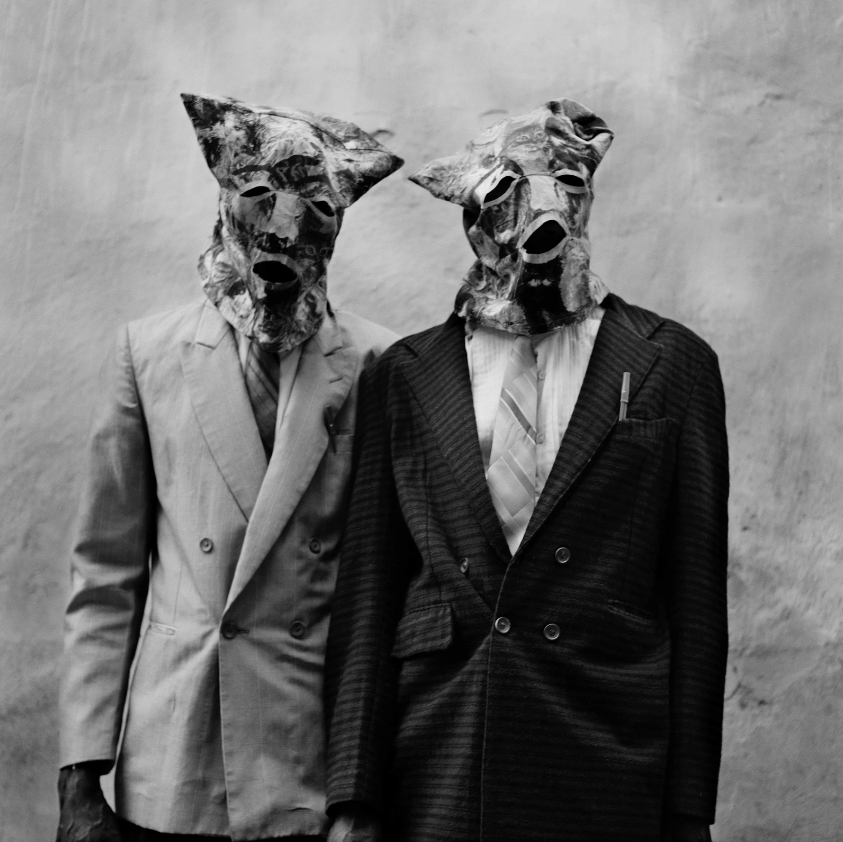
(636, 473)
(327, 498)
(642, 454)
(644, 430)
(636, 451)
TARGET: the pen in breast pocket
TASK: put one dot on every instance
(624, 396)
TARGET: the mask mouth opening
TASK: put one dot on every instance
(543, 240)
(281, 282)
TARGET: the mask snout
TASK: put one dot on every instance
(543, 239)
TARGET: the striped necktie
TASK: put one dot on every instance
(263, 370)
(512, 463)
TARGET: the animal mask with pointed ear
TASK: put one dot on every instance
(285, 179)
(525, 185)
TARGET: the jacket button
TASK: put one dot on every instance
(562, 555)
(463, 565)
(503, 625)
(297, 628)
(315, 545)
(206, 545)
(230, 630)
(551, 631)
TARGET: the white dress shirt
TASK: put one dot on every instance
(562, 358)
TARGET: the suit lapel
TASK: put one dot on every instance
(218, 393)
(619, 347)
(440, 382)
(323, 380)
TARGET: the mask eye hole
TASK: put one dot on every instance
(505, 186)
(323, 209)
(255, 191)
(571, 181)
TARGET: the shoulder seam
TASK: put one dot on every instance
(694, 338)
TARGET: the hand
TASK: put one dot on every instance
(355, 823)
(689, 829)
(84, 813)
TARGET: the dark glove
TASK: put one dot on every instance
(689, 829)
(84, 813)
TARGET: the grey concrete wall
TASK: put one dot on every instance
(718, 205)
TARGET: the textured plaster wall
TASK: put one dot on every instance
(718, 205)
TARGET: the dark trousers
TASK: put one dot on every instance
(132, 833)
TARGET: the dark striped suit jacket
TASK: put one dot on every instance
(456, 731)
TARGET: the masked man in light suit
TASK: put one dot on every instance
(216, 490)
(530, 637)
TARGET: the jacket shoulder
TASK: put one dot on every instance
(419, 344)
(151, 335)
(369, 338)
(386, 374)
(672, 335)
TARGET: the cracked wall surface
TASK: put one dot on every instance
(719, 204)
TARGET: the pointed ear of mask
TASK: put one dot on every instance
(566, 123)
(452, 178)
(581, 127)
(220, 126)
(229, 130)
(356, 160)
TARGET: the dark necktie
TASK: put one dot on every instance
(263, 369)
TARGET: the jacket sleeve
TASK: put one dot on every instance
(371, 587)
(109, 568)
(696, 582)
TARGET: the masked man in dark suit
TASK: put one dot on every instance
(214, 501)
(530, 636)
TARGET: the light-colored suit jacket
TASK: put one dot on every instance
(219, 680)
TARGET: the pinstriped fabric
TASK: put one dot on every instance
(223, 735)
(470, 734)
(512, 464)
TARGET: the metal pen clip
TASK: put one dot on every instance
(624, 396)
(330, 416)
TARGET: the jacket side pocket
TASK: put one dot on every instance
(160, 628)
(422, 630)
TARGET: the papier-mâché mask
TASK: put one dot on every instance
(525, 185)
(285, 178)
